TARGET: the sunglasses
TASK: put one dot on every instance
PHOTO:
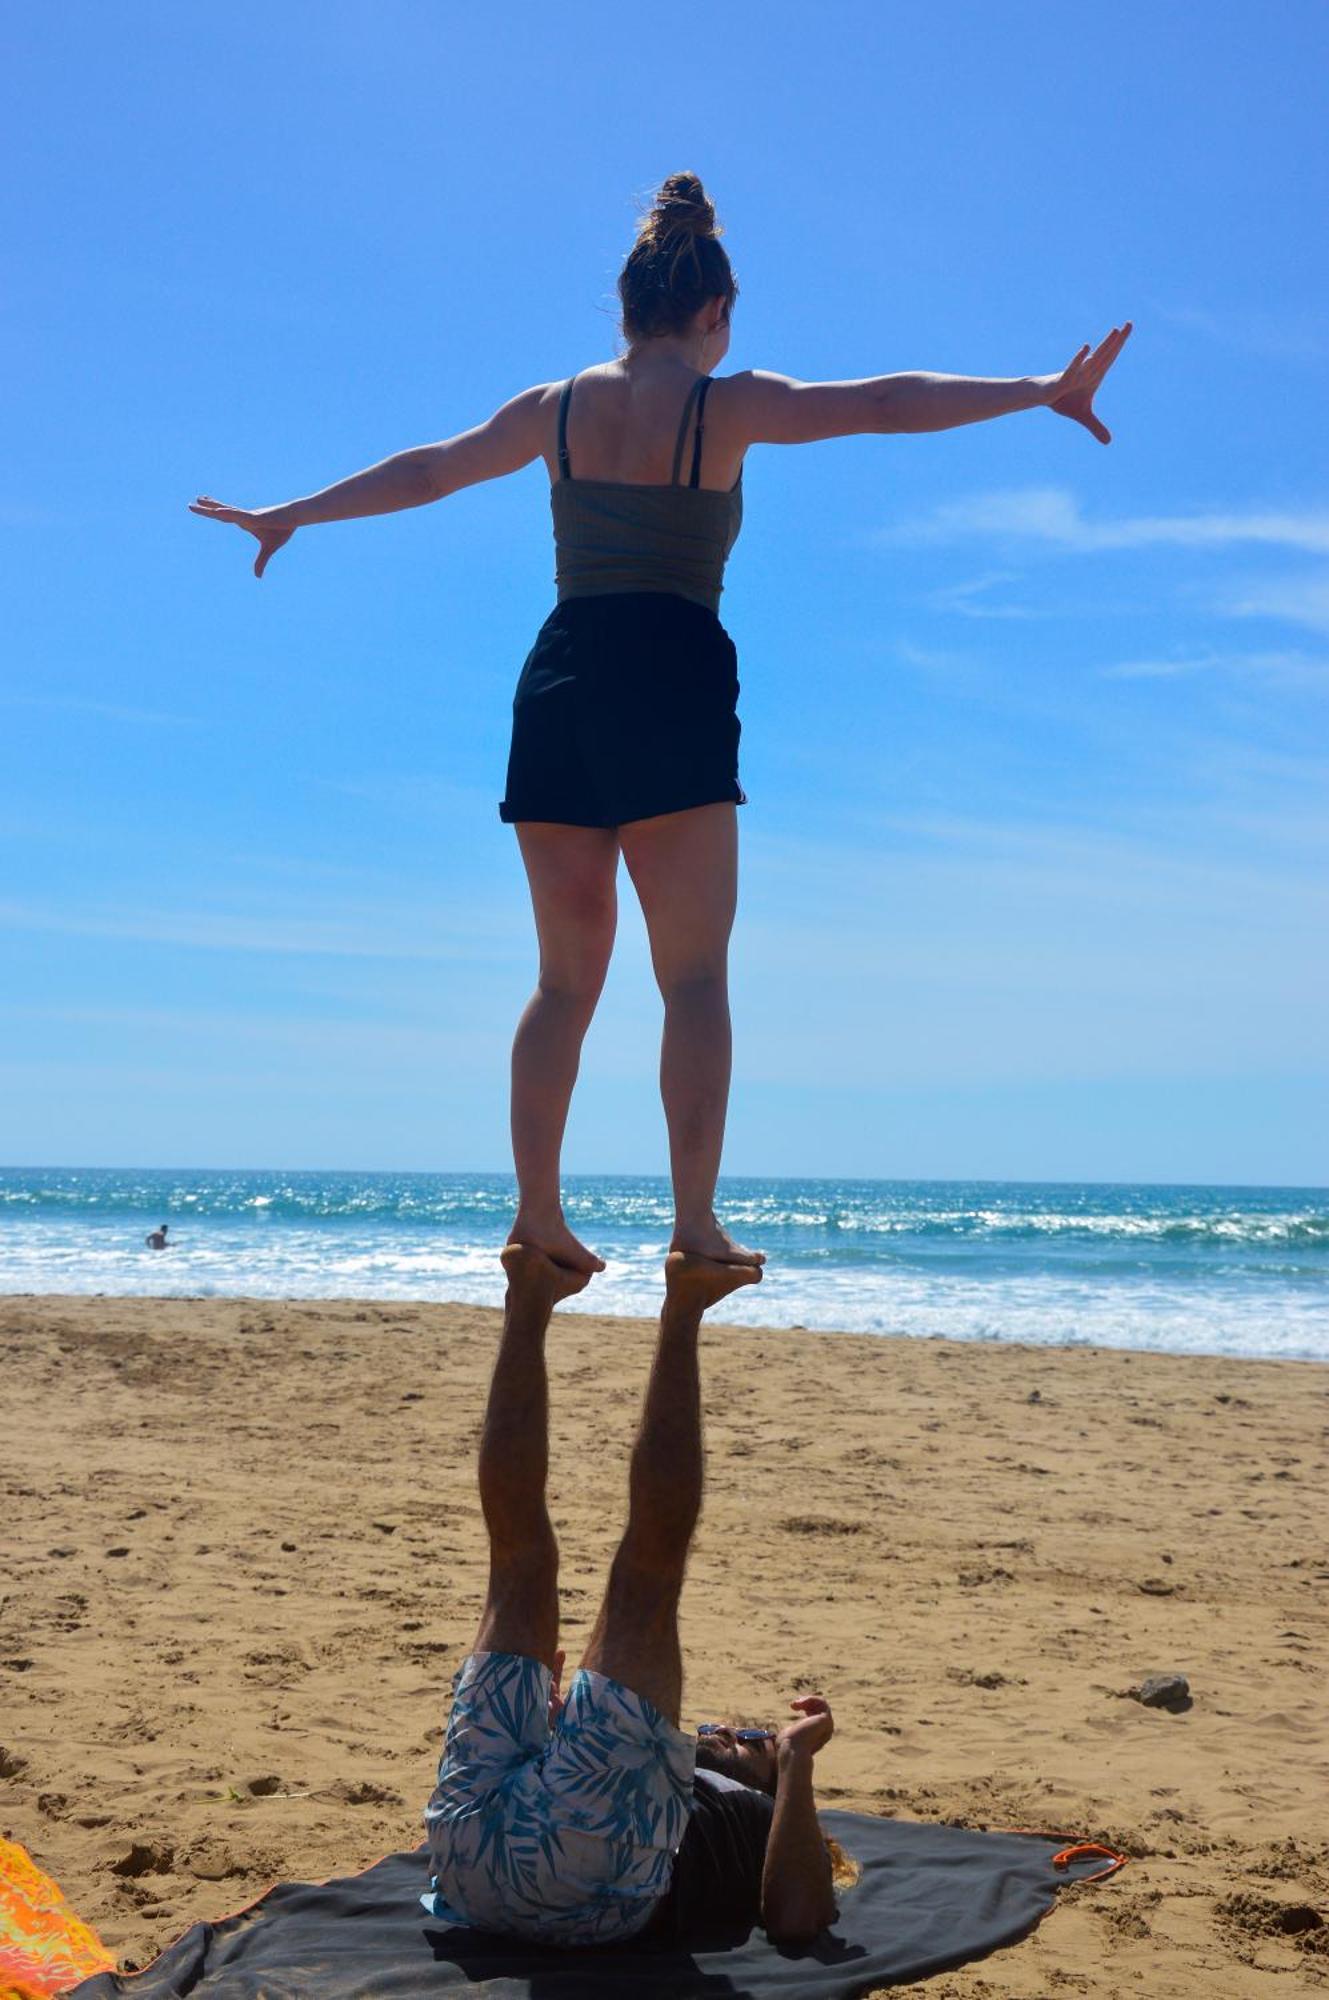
(739, 1735)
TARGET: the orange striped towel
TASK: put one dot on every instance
(44, 1947)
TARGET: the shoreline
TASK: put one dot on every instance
(389, 1305)
(244, 1568)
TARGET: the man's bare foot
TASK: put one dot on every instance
(532, 1275)
(707, 1239)
(697, 1283)
(552, 1235)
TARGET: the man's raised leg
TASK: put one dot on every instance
(635, 1639)
(521, 1608)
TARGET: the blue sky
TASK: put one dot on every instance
(1034, 729)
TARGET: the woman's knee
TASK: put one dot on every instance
(573, 984)
(700, 981)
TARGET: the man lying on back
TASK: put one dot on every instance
(591, 1818)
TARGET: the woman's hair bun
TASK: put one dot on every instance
(677, 263)
(682, 203)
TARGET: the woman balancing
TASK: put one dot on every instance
(625, 731)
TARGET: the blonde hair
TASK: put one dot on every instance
(845, 1871)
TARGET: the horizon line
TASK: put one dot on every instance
(801, 1180)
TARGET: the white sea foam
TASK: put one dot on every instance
(1192, 1270)
(1038, 1307)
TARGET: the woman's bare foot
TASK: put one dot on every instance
(694, 1284)
(530, 1272)
(552, 1235)
(707, 1239)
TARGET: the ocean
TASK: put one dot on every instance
(1185, 1270)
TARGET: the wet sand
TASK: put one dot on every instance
(243, 1556)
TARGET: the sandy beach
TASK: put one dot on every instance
(243, 1556)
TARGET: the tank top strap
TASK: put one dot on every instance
(564, 463)
(681, 439)
(702, 389)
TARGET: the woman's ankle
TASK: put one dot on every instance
(538, 1215)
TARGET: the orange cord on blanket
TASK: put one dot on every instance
(1069, 1854)
(1073, 1852)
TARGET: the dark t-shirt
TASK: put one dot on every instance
(716, 1884)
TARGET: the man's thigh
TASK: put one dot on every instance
(567, 1837)
(499, 1722)
(624, 1766)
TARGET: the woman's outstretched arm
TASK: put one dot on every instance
(777, 410)
(508, 440)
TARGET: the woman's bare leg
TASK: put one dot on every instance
(571, 871)
(684, 868)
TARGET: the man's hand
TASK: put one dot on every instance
(261, 522)
(1071, 394)
(813, 1730)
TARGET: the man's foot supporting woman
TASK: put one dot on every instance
(694, 1284)
(536, 1281)
(704, 1240)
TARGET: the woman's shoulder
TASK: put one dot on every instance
(747, 401)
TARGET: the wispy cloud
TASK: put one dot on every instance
(76, 704)
(922, 861)
(1285, 336)
(1285, 668)
(1302, 600)
(18, 514)
(1270, 771)
(1052, 515)
(932, 659)
(443, 935)
(373, 1038)
(964, 598)
(966, 947)
(418, 795)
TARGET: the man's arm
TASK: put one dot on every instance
(797, 1897)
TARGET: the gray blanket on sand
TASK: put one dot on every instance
(929, 1898)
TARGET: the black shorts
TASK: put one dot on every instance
(626, 708)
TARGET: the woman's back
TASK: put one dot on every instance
(626, 519)
(623, 427)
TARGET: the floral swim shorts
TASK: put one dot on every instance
(566, 1836)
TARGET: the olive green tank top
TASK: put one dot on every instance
(610, 535)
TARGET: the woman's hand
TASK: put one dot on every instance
(1071, 394)
(261, 522)
(813, 1730)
